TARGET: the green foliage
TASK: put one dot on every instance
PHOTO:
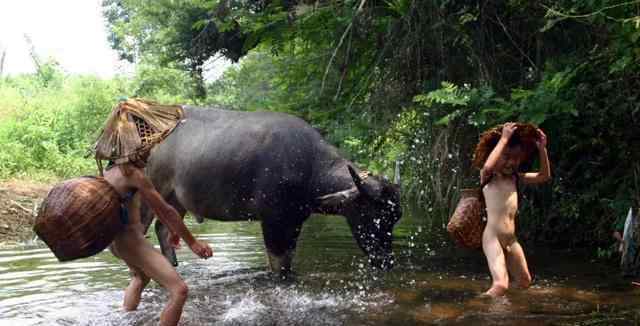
(163, 83)
(48, 134)
(414, 81)
(46, 129)
(449, 94)
(418, 81)
(262, 82)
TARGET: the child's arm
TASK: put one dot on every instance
(489, 166)
(545, 170)
(166, 213)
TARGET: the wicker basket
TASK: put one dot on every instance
(79, 217)
(468, 220)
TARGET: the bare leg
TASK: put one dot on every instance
(517, 264)
(133, 292)
(138, 252)
(497, 264)
(139, 281)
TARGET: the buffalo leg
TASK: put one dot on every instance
(162, 232)
(280, 242)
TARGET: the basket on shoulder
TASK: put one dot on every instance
(468, 220)
(81, 216)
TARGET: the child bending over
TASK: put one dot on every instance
(126, 144)
(144, 261)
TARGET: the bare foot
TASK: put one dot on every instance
(524, 282)
(494, 292)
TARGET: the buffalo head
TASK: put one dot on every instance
(372, 208)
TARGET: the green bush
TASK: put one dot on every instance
(47, 128)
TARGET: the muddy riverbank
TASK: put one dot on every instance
(19, 201)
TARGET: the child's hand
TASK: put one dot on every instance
(541, 142)
(174, 240)
(201, 249)
(508, 129)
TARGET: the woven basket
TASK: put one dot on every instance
(467, 222)
(79, 217)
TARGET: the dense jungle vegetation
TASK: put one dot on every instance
(408, 80)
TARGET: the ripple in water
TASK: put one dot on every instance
(333, 286)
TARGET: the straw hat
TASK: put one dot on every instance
(133, 128)
(526, 135)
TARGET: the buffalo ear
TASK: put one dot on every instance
(365, 186)
(354, 175)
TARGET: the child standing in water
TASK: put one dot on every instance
(500, 175)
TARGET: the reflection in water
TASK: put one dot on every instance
(333, 285)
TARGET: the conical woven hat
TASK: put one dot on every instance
(526, 133)
(133, 127)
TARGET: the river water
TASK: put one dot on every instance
(432, 284)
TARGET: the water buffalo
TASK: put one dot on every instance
(273, 167)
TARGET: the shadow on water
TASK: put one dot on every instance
(333, 285)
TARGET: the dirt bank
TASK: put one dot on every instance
(18, 204)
